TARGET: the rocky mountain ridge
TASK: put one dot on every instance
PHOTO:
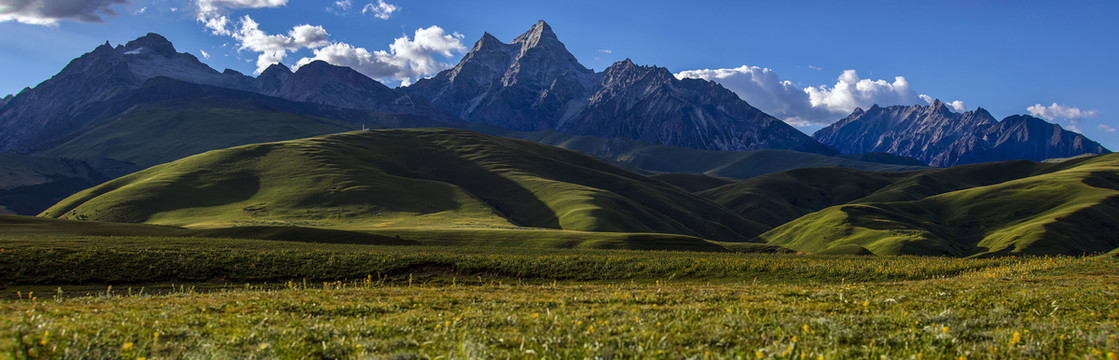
(937, 135)
(65, 104)
(534, 83)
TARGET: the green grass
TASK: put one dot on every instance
(76, 260)
(730, 164)
(170, 119)
(1067, 208)
(359, 301)
(424, 178)
(693, 182)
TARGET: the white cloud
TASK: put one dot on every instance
(1074, 129)
(958, 106)
(813, 67)
(50, 12)
(381, 10)
(606, 51)
(205, 54)
(1106, 128)
(218, 25)
(210, 8)
(407, 59)
(273, 48)
(343, 5)
(1061, 112)
(850, 92)
(213, 13)
(141, 10)
(819, 105)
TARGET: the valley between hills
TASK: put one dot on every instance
(520, 204)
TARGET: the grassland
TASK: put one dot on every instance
(264, 299)
(1068, 208)
(370, 180)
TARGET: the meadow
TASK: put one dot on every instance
(182, 297)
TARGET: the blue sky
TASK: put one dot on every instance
(790, 58)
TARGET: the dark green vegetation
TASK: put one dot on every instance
(22, 228)
(657, 158)
(362, 301)
(169, 119)
(29, 184)
(433, 178)
(1064, 208)
(63, 259)
(454, 187)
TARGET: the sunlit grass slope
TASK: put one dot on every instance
(775, 199)
(418, 178)
(1067, 208)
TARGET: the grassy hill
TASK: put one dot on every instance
(168, 120)
(1051, 208)
(657, 158)
(29, 184)
(415, 179)
(775, 199)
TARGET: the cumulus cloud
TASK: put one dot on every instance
(273, 48)
(1061, 112)
(814, 105)
(343, 5)
(210, 8)
(407, 59)
(50, 12)
(213, 13)
(381, 9)
(851, 92)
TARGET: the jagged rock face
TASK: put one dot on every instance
(152, 55)
(534, 83)
(54, 107)
(1019, 137)
(943, 138)
(49, 107)
(59, 106)
(322, 83)
(525, 85)
(920, 132)
(648, 103)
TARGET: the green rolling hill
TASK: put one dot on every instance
(455, 187)
(1067, 208)
(657, 158)
(167, 120)
(775, 199)
(403, 179)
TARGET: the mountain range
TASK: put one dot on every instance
(171, 141)
(940, 137)
(534, 83)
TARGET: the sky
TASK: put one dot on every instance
(809, 63)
